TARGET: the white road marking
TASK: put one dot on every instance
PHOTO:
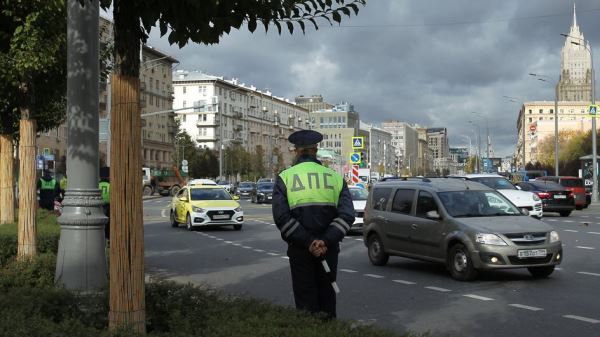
(444, 290)
(567, 220)
(587, 273)
(220, 239)
(273, 224)
(404, 282)
(570, 230)
(358, 239)
(526, 307)
(374, 276)
(163, 213)
(246, 247)
(273, 254)
(237, 244)
(583, 319)
(551, 220)
(585, 216)
(229, 242)
(348, 271)
(259, 250)
(285, 257)
(477, 297)
(596, 233)
(584, 247)
(558, 268)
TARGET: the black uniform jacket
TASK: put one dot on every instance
(315, 221)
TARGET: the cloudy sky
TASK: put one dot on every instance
(431, 62)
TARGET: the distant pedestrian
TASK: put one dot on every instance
(49, 190)
(104, 187)
(312, 207)
(63, 186)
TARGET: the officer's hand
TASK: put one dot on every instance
(317, 248)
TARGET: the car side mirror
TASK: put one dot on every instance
(433, 215)
(235, 197)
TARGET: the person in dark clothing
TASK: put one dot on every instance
(312, 207)
(49, 190)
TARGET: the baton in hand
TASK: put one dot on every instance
(328, 271)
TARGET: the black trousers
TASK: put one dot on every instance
(106, 210)
(312, 286)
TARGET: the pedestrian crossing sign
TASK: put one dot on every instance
(592, 109)
(358, 143)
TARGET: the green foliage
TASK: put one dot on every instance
(201, 162)
(257, 164)
(48, 234)
(33, 52)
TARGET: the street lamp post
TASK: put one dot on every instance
(487, 132)
(541, 78)
(522, 110)
(478, 146)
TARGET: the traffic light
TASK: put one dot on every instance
(363, 160)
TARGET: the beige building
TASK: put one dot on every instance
(234, 112)
(312, 103)
(381, 153)
(405, 140)
(538, 121)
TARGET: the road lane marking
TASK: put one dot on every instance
(404, 282)
(526, 307)
(285, 257)
(551, 220)
(220, 239)
(246, 247)
(477, 297)
(558, 268)
(568, 221)
(348, 271)
(228, 242)
(585, 216)
(259, 250)
(236, 244)
(596, 233)
(583, 319)
(273, 254)
(374, 276)
(570, 230)
(163, 213)
(584, 247)
(273, 224)
(587, 273)
(444, 290)
(358, 239)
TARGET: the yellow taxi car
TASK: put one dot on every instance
(205, 205)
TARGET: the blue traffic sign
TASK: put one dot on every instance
(355, 158)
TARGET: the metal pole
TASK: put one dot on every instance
(81, 261)
(525, 130)
(594, 131)
(556, 130)
(487, 137)
(220, 143)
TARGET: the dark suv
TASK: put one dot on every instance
(463, 224)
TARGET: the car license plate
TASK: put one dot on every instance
(219, 217)
(560, 196)
(523, 254)
(269, 197)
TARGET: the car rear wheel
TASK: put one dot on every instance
(189, 223)
(147, 191)
(173, 191)
(460, 264)
(237, 227)
(377, 253)
(174, 222)
(541, 272)
(565, 213)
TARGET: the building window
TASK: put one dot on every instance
(529, 109)
(551, 111)
(184, 104)
(183, 87)
(541, 110)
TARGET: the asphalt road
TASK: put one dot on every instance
(403, 295)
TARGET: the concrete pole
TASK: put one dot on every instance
(594, 131)
(81, 261)
(556, 171)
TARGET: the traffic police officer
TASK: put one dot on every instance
(49, 190)
(104, 186)
(312, 208)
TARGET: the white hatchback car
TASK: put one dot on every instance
(359, 200)
(528, 202)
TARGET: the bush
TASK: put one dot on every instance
(48, 235)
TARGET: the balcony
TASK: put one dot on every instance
(206, 139)
(238, 128)
(142, 86)
(207, 124)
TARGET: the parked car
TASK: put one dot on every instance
(226, 185)
(573, 184)
(359, 200)
(264, 180)
(528, 202)
(244, 189)
(555, 198)
(263, 192)
(205, 205)
(465, 225)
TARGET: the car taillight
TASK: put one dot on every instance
(570, 194)
(543, 195)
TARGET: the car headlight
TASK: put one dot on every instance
(197, 209)
(554, 236)
(535, 197)
(238, 209)
(261, 194)
(489, 239)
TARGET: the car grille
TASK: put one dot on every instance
(538, 207)
(530, 260)
(211, 214)
(527, 239)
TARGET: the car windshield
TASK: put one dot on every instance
(473, 203)
(209, 194)
(572, 182)
(546, 185)
(265, 186)
(497, 183)
(246, 185)
(359, 193)
(223, 183)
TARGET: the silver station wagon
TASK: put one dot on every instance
(465, 225)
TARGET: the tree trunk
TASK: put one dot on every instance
(27, 190)
(127, 306)
(7, 196)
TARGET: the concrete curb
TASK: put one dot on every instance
(150, 197)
